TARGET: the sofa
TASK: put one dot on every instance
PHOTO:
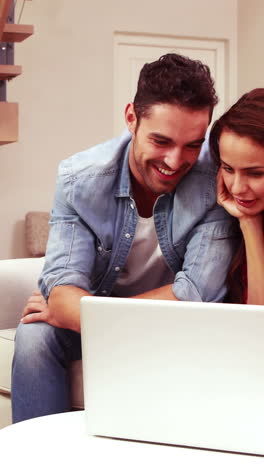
(18, 279)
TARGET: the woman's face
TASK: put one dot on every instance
(242, 165)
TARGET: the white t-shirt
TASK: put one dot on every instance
(145, 268)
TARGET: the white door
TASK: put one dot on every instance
(132, 51)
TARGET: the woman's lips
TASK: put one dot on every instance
(245, 203)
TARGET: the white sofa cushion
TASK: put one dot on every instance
(5, 410)
(18, 279)
(6, 352)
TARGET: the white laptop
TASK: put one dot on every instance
(181, 373)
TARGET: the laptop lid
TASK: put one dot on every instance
(183, 373)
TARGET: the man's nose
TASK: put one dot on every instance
(173, 158)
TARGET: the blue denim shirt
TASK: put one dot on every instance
(94, 218)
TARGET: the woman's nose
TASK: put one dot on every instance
(239, 185)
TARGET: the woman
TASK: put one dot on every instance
(237, 143)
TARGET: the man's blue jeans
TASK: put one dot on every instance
(40, 383)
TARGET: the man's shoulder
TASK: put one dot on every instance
(200, 182)
(205, 162)
(97, 159)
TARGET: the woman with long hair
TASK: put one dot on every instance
(237, 143)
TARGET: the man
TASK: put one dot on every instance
(132, 217)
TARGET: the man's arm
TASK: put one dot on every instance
(64, 305)
(63, 308)
(165, 293)
(207, 251)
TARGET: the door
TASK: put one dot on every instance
(132, 51)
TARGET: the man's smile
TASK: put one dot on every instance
(167, 174)
(166, 171)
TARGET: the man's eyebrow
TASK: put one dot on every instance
(170, 140)
(160, 136)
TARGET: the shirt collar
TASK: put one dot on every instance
(124, 188)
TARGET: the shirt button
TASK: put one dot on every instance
(132, 206)
(117, 268)
(127, 235)
(99, 248)
(104, 292)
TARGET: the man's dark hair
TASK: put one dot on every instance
(174, 79)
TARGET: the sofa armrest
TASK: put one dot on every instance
(18, 279)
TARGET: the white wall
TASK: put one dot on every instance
(65, 93)
(250, 45)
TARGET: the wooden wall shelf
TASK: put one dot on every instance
(17, 32)
(9, 71)
(4, 9)
(10, 32)
(8, 122)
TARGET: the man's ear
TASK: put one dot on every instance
(130, 116)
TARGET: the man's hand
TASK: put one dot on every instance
(37, 310)
(62, 311)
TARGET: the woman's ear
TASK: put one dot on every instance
(130, 116)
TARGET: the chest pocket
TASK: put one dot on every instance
(179, 254)
(101, 262)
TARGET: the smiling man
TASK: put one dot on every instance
(164, 146)
(133, 217)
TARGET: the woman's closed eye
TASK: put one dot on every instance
(227, 169)
(255, 173)
(249, 172)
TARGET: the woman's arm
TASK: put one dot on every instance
(252, 230)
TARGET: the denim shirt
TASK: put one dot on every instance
(94, 218)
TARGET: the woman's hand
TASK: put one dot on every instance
(225, 199)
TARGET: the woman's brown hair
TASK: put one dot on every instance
(246, 119)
